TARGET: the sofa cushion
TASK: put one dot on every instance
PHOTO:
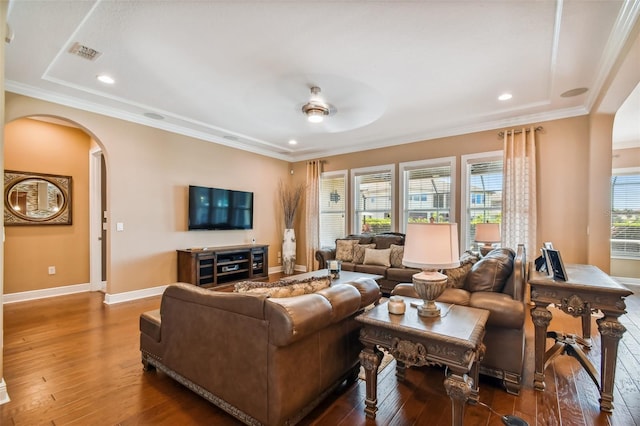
(384, 241)
(371, 269)
(377, 257)
(396, 255)
(284, 288)
(402, 275)
(344, 249)
(458, 275)
(457, 296)
(358, 252)
(504, 311)
(348, 266)
(491, 272)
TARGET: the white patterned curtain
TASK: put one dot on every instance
(519, 216)
(312, 223)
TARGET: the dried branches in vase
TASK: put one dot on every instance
(290, 197)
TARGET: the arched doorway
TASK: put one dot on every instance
(42, 261)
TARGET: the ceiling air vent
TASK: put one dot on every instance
(84, 51)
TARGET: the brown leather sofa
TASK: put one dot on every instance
(505, 337)
(392, 274)
(263, 360)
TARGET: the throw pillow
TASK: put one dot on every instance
(284, 288)
(358, 252)
(377, 257)
(491, 272)
(395, 256)
(344, 250)
(458, 275)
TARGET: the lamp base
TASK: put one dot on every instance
(429, 285)
(485, 249)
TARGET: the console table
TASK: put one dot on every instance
(454, 339)
(586, 290)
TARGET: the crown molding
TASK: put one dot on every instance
(70, 101)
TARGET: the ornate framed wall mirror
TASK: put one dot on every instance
(36, 199)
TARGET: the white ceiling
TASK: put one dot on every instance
(238, 72)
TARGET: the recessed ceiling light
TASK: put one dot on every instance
(293, 142)
(106, 79)
(505, 97)
(574, 92)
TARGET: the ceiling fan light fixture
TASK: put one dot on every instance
(315, 115)
(315, 109)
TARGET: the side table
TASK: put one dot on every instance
(454, 339)
(587, 290)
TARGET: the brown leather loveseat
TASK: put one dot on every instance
(263, 360)
(352, 251)
(495, 283)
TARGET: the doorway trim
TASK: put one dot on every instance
(95, 221)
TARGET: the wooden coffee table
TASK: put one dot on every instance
(345, 276)
(454, 339)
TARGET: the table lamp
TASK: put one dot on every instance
(430, 247)
(487, 233)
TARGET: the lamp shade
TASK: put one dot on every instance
(431, 246)
(488, 232)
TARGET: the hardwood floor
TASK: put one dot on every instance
(71, 360)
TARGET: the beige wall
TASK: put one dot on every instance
(148, 171)
(36, 146)
(626, 158)
(564, 163)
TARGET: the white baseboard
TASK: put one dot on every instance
(47, 292)
(627, 280)
(110, 299)
(277, 269)
(4, 395)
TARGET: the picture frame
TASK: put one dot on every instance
(555, 264)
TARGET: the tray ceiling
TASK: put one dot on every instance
(238, 73)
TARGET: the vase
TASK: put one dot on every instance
(288, 251)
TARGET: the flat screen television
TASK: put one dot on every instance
(219, 209)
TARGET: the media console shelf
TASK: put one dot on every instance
(214, 266)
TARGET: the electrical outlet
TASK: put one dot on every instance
(52, 270)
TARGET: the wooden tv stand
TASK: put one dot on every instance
(215, 266)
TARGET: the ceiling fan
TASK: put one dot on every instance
(317, 109)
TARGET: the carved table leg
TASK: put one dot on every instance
(541, 318)
(475, 373)
(611, 332)
(370, 358)
(401, 367)
(458, 386)
(586, 330)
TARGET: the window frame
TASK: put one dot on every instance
(465, 162)
(620, 172)
(362, 171)
(425, 164)
(332, 175)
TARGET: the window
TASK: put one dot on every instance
(625, 215)
(426, 188)
(333, 219)
(373, 198)
(481, 193)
